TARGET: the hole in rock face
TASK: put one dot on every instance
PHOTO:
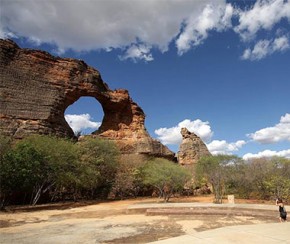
(84, 116)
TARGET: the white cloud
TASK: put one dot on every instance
(4, 33)
(137, 27)
(264, 48)
(222, 147)
(260, 50)
(280, 44)
(173, 136)
(277, 133)
(213, 17)
(263, 15)
(268, 153)
(79, 122)
(103, 24)
(138, 52)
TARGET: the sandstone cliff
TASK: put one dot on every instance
(191, 149)
(36, 88)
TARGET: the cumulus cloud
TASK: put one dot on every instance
(103, 24)
(263, 15)
(172, 135)
(268, 153)
(135, 28)
(138, 52)
(277, 133)
(213, 17)
(266, 47)
(80, 122)
(223, 147)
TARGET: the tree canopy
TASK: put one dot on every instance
(165, 176)
(44, 168)
(259, 178)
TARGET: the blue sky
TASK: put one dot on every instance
(219, 68)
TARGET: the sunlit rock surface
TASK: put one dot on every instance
(36, 88)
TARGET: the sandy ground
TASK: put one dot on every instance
(106, 223)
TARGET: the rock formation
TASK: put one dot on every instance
(36, 88)
(191, 148)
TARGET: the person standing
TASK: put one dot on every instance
(282, 210)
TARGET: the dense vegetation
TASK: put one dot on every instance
(165, 176)
(260, 178)
(45, 169)
(51, 169)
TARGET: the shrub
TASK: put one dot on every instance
(166, 176)
(217, 170)
(128, 178)
(99, 162)
(38, 164)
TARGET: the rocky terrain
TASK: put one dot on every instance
(36, 88)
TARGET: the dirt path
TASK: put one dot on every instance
(107, 223)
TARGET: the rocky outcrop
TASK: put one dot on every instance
(191, 149)
(36, 88)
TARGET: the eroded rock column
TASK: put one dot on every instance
(191, 149)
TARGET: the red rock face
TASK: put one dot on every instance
(36, 88)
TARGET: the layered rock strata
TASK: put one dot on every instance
(191, 149)
(36, 88)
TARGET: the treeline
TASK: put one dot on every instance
(41, 169)
(259, 178)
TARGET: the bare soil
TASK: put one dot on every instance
(107, 222)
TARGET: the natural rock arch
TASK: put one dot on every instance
(84, 116)
(38, 87)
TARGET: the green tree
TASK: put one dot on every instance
(38, 164)
(258, 171)
(128, 178)
(166, 176)
(236, 178)
(60, 167)
(260, 178)
(99, 159)
(277, 183)
(21, 171)
(5, 147)
(217, 171)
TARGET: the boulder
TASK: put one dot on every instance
(36, 88)
(191, 149)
